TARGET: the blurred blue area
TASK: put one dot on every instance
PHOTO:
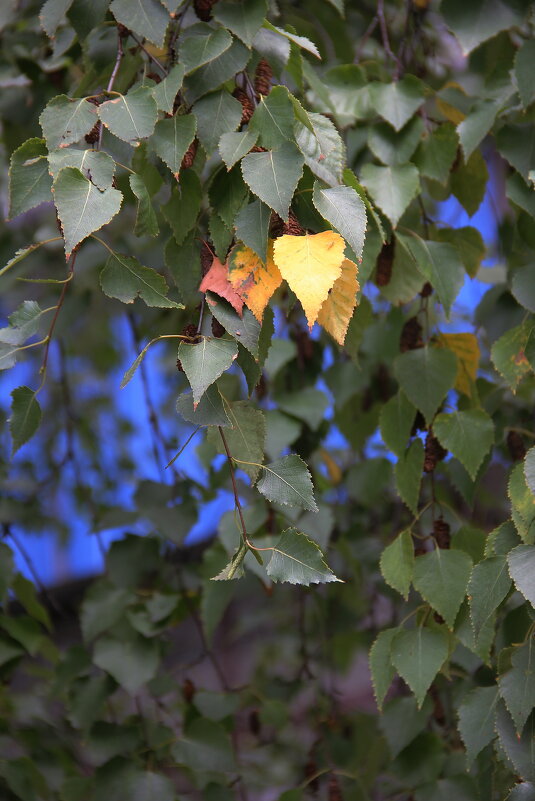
(83, 552)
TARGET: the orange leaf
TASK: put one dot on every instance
(254, 281)
(337, 310)
(311, 264)
(216, 280)
(466, 349)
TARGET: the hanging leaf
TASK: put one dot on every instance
(337, 311)
(397, 563)
(517, 687)
(130, 117)
(288, 481)
(146, 220)
(487, 588)
(436, 153)
(408, 472)
(508, 353)
(243, 17)
(273, 176)
(25, 417)
(254, 280)
(425, 376)
(171, 139)
(440, 264)
(147, 18)
(202, 44)
(466, 348)
(82, 208)
(217, 280)
(297, 559)
(397, 418)
(66, 120)
(522, 570)
(479, 21)
(310, 264)
(524, 73)
(165, 92)
(246, 438)
(183, 208)
(29, 181)
(210, 410)
(322, 146)
(529, 469)
(519, 750)
(132, 662)
(233, 146)
(441, 577)
(391, 188)
(244, 329)
(98, 167)
(203, 743)
(468, 435)
(344, 209)
(204, 362)
(417, 656)
(125, 278)
(477, 714)
(273, 118)
(217, 114)
(381, 667)
(396, 102)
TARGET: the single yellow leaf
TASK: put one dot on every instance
(337, 310)
(310, 264)
(333, 469)
(254, 281)
(466, 349)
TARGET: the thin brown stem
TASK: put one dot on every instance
(111, 82)
(149, 54)
(386, 39)
(234, 485)
(72, 261)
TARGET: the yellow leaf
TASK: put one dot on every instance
(466, 349)
(333, 469)
(337, 310)
(310, 264)
(254, 281)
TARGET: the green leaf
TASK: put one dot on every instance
(520, 193)
(309, 405)
(165, 92)
(205, 361)
(473, 129)
(396, 420)
(209, 412)
(477, 714)
(125, 278)
(436, 153)
(172, 137)
(217, 113)
(468, 435)
(519, 750)
(425, 376)
(273, 119)
(287, 481)
(469, 182)
(245, 329)
(52, 14)
(30, 183)
(440, 263)
(381, 668)
(517, 686)
(464, 631)
(130, 117)
(529, 469)
(223, 68)
(202, 44)
(417, 656)
(252, 227)
(297, 559)
(300, 41)
(23, 323)
(147, 18)
(524, 71)
(391, 188)
(395, 147)
(524, 791)
(523, 287)
(234, 569)
(242, 17)
(469, 244)
(228, 193)
(98, 167)
(25, 417)
(103, 606)
(323, 148)
(508, 353)
(516, 143)
(441, 577)
(273, 176)
(131, 661)
(401, 722)
(26, 593)
(397, 563)
(233, 146)
(205, 743)
(343, 208)
(221, 236)
(65, 120)
(487, 588)
(473, 24)
(396, 102)
(408, 472)
(82, 208)
(146, 221)
(182, 209)
(245, 439)
(521, 562)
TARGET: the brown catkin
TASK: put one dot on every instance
(123, 31)
(426, 290)
(434, 452)
(217, 329)
(276, 226)
(203, 9)
(293, 226)
(246, 104)
(258, 149)
(383, 265)
(411, 335)
(310, 770)
(262, 77)
(189, 156)
(188, 690)
(516, 446)
(207, 258)
(254, 722)
(334, 791)
(93, 134)
(441, 533)
(419, 551)
(418, 425)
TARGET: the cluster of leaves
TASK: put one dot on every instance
(288, 187)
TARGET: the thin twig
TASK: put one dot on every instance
(111, 82)
(386, 40)
(148, 53)
(61, 300)
(234, 485)
(7, 531)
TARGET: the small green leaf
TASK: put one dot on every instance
(478, 21)
(273, 176)
(436, 153)
(65, 120)
(408, 472)
(440, 263)
(396, 102)
(124, 278)
(519, 750)
(217, 114)
(396, 420)
(391, 188)
(468, 435)
(146, 221)
(476, 125)
(25, 417)
(288, 481)
(426, 375)
(477, 714)
(487, 588)
(273, 119)
(397, 563)
(147, 18)
(522, 570)
(297, 559)
(245, 329)
(171, 138)
(343, 208)
(30, 183)
(132, 662)
(441, 577)
(205, 361)
(469, 182)
(210, 76)
(183, 208)
(524, 59)
(204, 743)
(209, 412)
(233, 146)
(381, 668)
(508, 353)
(202, 44)
(130, 117)
(246, 438)
(252, 227)
(517, 686)
(165, 92)
(82, 208)
(418, 655)
(98, 167)
(242, 17)
(322, 147)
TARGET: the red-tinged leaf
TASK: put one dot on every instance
(216, 280)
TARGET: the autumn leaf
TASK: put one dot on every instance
(310, 264)
(254, 281)
(466, 349)
(217, 280)
(337, 310)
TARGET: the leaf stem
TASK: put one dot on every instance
(113, 76)
(72, 261)
(234, 486)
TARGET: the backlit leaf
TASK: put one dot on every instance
(337, 310)
(441, 577)
(29, 181)
(130, 117)
(418, 655)
(425, 376)
(65, 120)
(147, 18)
(288, 481)
(172, 137)
(297, 559)
(344, 209)
(217, 280)
(25, 417)
(125, 278)
(466, 348)
(273, 176)
(205, 361)
(469, 435)
(397, 563)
